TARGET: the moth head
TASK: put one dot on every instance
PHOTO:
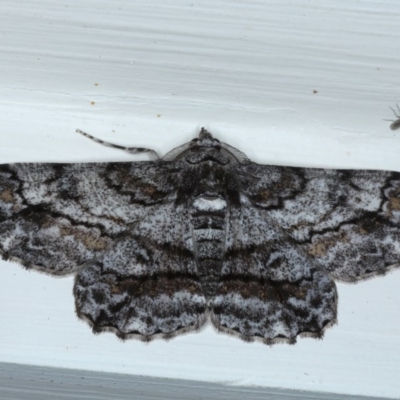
(205, 140)
(204, 134)
(206, 148)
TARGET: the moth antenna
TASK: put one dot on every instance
(130, 150)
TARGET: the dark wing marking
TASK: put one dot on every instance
(348, 221)
(118, 225)
(56, 217)
(270, 289)
(147, 284)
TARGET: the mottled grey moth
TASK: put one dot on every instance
(203, 233)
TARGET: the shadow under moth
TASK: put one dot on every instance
(203, 233)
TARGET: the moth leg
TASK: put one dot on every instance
(130, 150)
(395, 112)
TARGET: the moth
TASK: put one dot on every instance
(160, 247)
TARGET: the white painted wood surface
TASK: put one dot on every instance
(287, 82)
(43, 383)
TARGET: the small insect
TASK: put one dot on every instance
(160, 247)
(395, 123)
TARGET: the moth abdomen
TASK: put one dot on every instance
(209, 233)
